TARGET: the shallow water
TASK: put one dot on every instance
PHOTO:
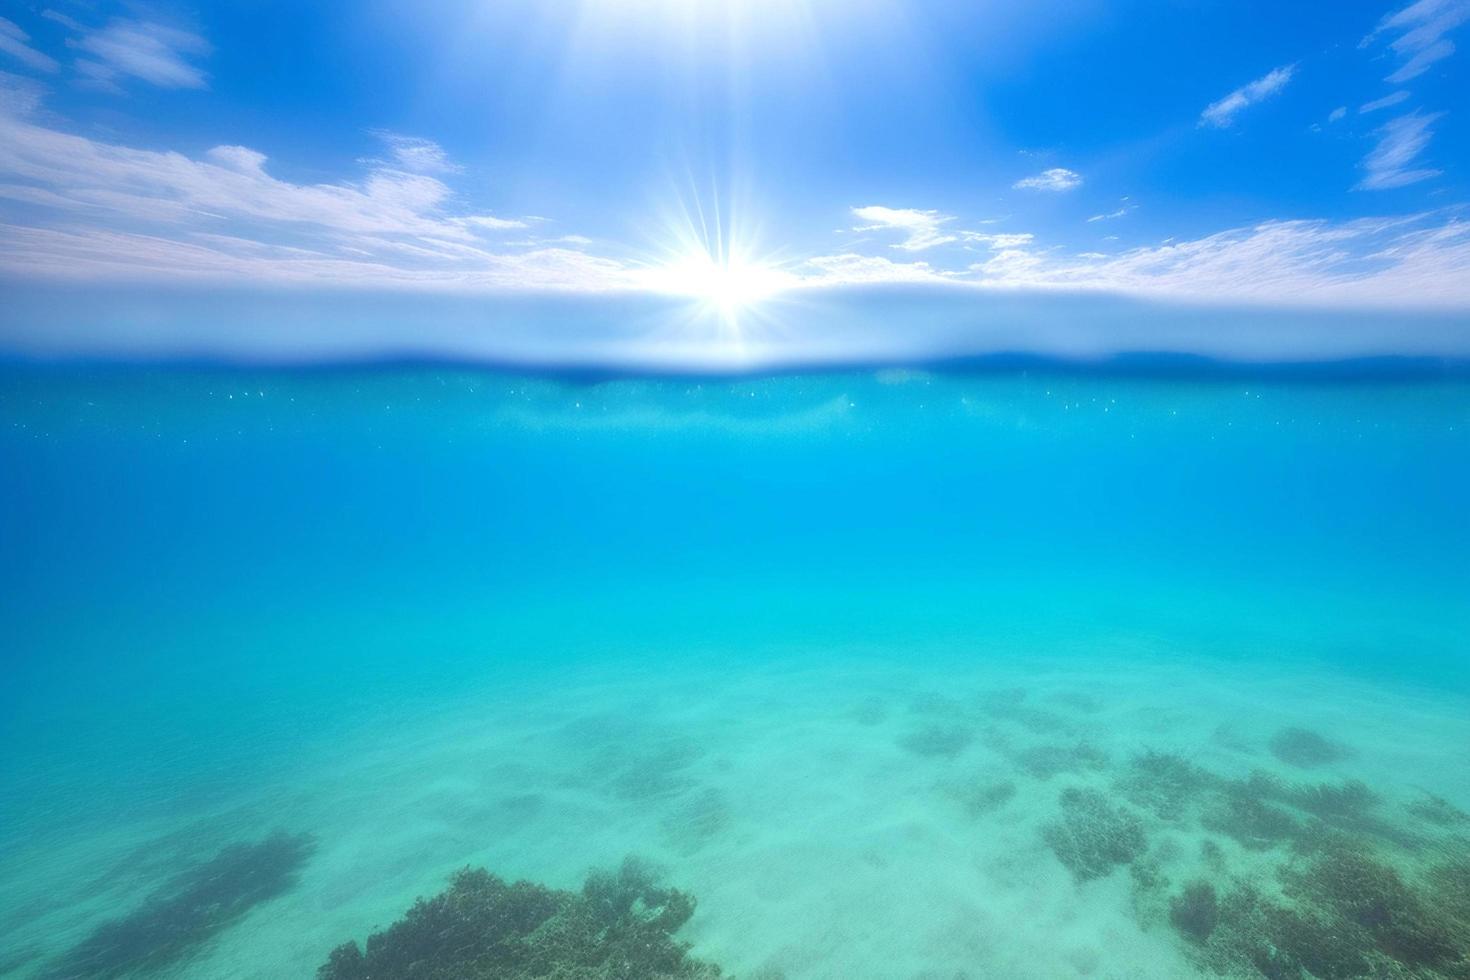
(868, 662)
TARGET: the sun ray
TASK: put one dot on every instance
(706, 255)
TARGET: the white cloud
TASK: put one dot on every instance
(97, 211)
(58, 17)
(1369, 263)
(13, 41)
(496, 224)
(850, 268)
(1055, 179)
(1222, 114)
(1421, 30)
(1392, 99)
(1337, 114)
(156, 53)
(18, 96)
(1124, 208)
(89, 255)
(1002, 240)
(115, 210)
(1400, 141)
(417, 155)
(921, 229)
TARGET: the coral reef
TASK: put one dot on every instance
(619, 927)
(1306, 749)
(1336, 888)
(190, 910)
(1093, 835)
(1362, 893)
(1243, 811)
(1195, 912)
(1343, 913)
(1163, 783)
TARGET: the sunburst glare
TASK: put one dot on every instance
(712, 258)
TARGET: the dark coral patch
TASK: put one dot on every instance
(190, 910)
(619, 927)
(1438, 811)
(1369, 895)
(1093, 836)
(1306, 749)
(1169, 785)
(1195, 911)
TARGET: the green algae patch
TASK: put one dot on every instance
(190, 910)
(1093, 836)
(620, 926)
(1306, 749)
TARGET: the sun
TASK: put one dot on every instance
(712, 259)
(725, 283)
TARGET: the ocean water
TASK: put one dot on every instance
(1007, 673)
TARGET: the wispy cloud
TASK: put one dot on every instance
(96, 211)
(19, 96)
(921, 229)
(417, 155)
(1378, 263)
(502, 224)
(1392, 99)
(1421, 35)
(1400, 141)
(70, 23)
(1338, 114)
(155, 53)
(1001, 240)
(1125, 207)
(852, 268)
(1222, 114)
(16, 43)
(117, 208)
(1055, 179)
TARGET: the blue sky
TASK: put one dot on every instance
(751, 157)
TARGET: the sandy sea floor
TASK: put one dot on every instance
(882, 820)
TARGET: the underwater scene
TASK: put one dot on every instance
(447, 673)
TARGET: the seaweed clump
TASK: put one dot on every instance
(619, 927)
(190, 910)
(1243, 810)
(1437, 810)
(1306, 749)
(1167, 784)
(1093, 835)
(1345, 915)
(1364, 894)
(1196, 911)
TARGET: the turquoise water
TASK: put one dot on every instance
(830, 650)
